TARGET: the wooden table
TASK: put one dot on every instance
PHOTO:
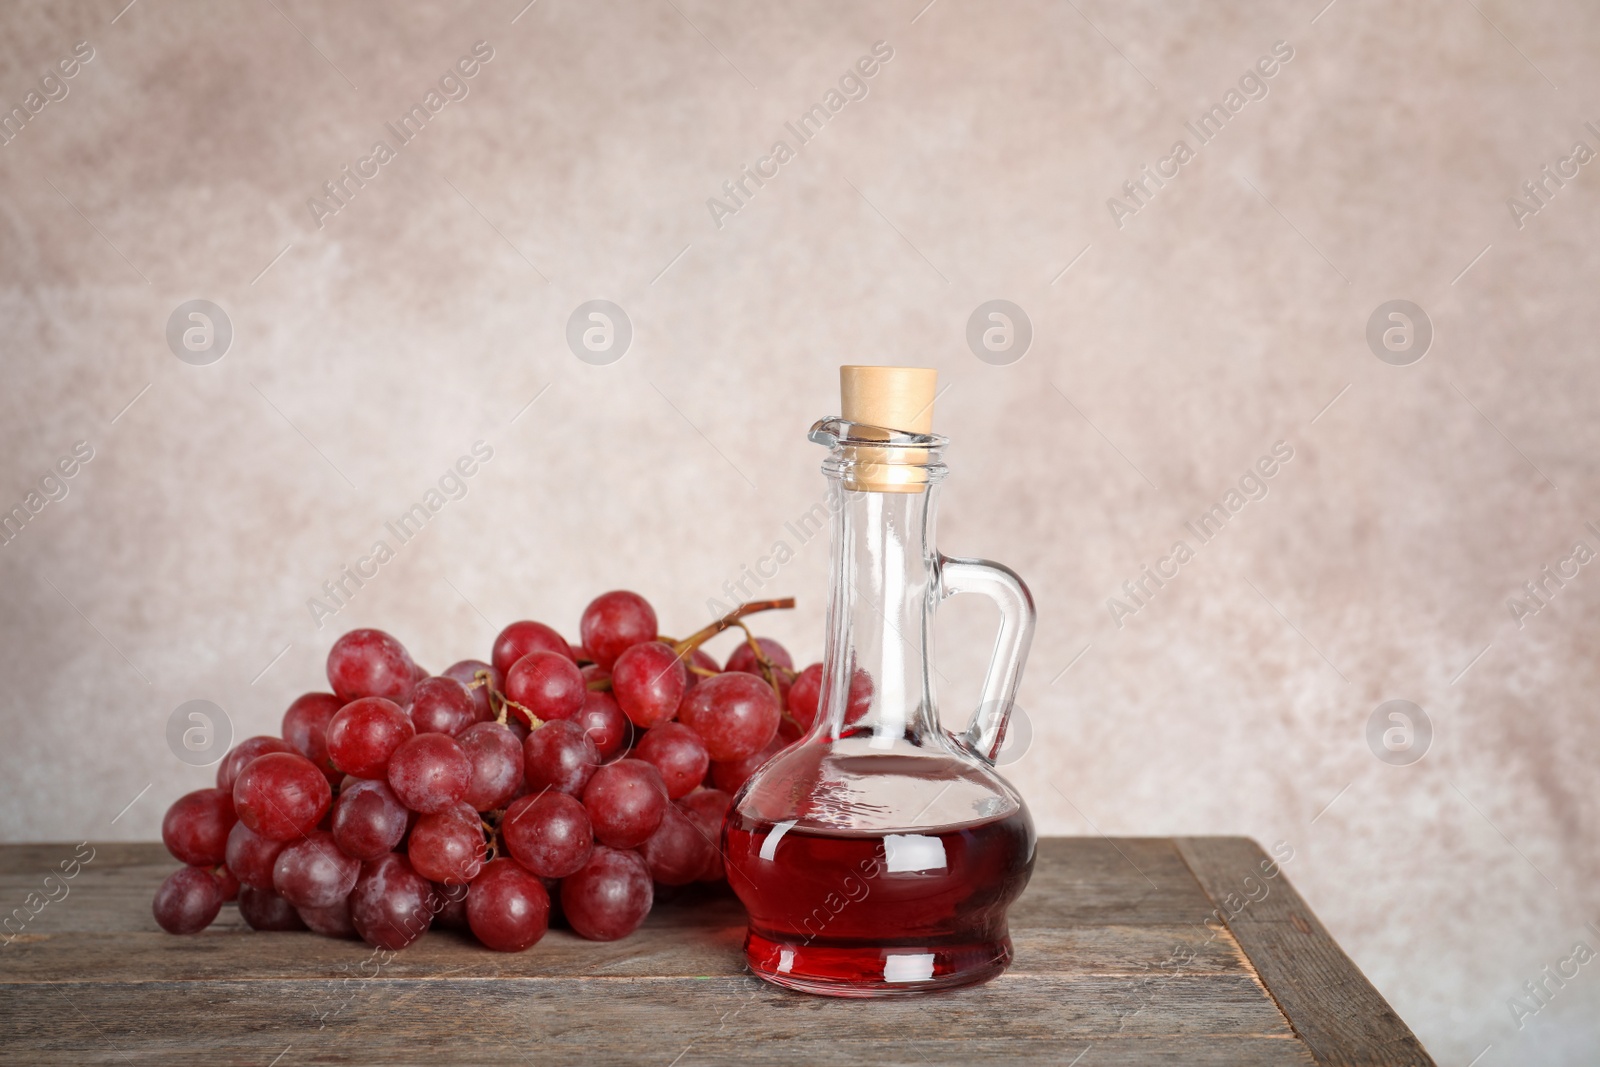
(1121, 958)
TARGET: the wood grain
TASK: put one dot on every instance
(1114, 965)
(1343, 1020)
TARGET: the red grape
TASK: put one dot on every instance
(452, 901)
(605, 724)
(549, 834)
(330, 921)
(242, 753)
(442, 706)
(805, 695)
(252, 857)
(744, 659)
(370, 663)
(560, 756)
(614, 622)
(463, 811)
(227, 881)
(446, 847)
(678, 851)
(625, 801)
(368, 820)
(804, 698)
(313, 873)
(707, 808)
(546, 683)
(365, 733)
(195, 829)
(730, 775)
(520, 638)
(496, 757)
(392, 905)
(507, 908)
(860, 699)
(187, 901)
(281, 795)
(610, 896)
(305, 728)
(265, 910)
(678, 753)
(734, 713)
(466, 672)
(429, 772)
(648, 682)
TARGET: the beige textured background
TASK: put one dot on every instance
(1225, 316)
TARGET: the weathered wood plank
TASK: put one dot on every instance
(720, 1019)
(657, 950)
(1343, 1020)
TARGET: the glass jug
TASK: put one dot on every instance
(877, 856)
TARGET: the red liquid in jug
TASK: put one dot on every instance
(878, 913)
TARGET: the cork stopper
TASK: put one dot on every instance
(893, 398)
(896, 398)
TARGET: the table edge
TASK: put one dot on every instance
(1346, 1023)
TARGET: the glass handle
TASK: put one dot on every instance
(986, 731)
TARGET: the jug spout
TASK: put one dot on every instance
(879, 459)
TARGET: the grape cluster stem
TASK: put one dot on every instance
(769, 669)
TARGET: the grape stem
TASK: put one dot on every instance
(499, 702)
(731, 619)
(534, 722)
(490, 822)
(769, 670)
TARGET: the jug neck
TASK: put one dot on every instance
(875, 668)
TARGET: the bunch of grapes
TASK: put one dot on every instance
(549, 782)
